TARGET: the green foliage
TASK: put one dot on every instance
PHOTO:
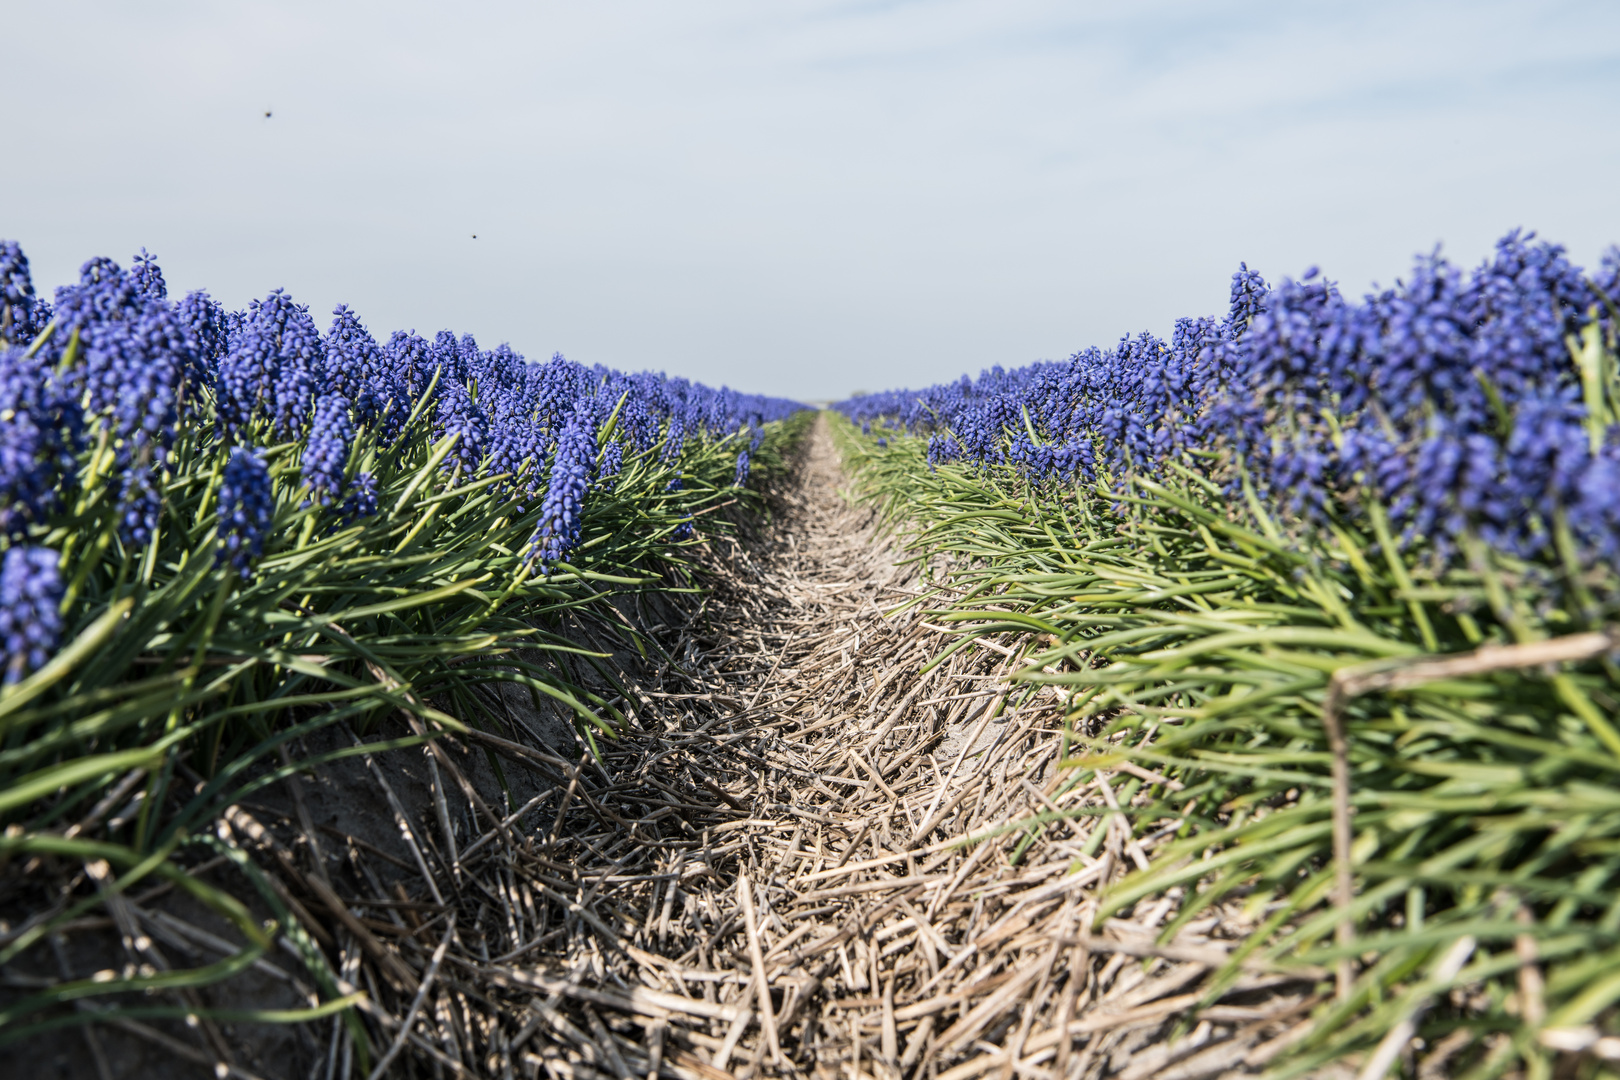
(1198, 639)
(183, 682)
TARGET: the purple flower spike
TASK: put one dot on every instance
(247, 507)
(30, 594)
(275, 364)
(18, 304)
(362, 498)
(208, 324)
(458, 414)
(357, 368)
(557, 531)
(326, 454)
(148, 277)
(683, 531)
(37, 441)
(612, 464)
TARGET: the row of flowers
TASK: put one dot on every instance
(113, 376)
(1463, 403)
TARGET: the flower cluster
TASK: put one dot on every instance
(557, 531)
(247, 507)
(22, 314)
(1462, 403)
(37, 440)
(610, 465)
(128, 365)
(1098, 415)
(209, 327)
(135, 354)
(30, 623)
(683, 531)
(361, 501)
(326, 453)
(357, 369)
(275, 361)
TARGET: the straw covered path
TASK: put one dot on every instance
(765, 875)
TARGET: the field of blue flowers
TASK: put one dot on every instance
(1338, 578)
(223, 531)
(1465, 405)
(1327, 589)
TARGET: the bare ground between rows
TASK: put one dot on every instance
(765, 875)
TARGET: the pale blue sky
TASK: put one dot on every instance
(796, 197)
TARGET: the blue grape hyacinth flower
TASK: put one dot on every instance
(557, 531)
(362, 498)
(17, 299)
(148, 276)
(683, 531)
(457, 413)
(326, 454)
(207, 322)
(275, 363)
(140, 506)
(612, 463)
(30, 623)
(247, 507)
(357, 368)
(37, 441)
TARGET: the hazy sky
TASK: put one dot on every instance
(797, 197)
